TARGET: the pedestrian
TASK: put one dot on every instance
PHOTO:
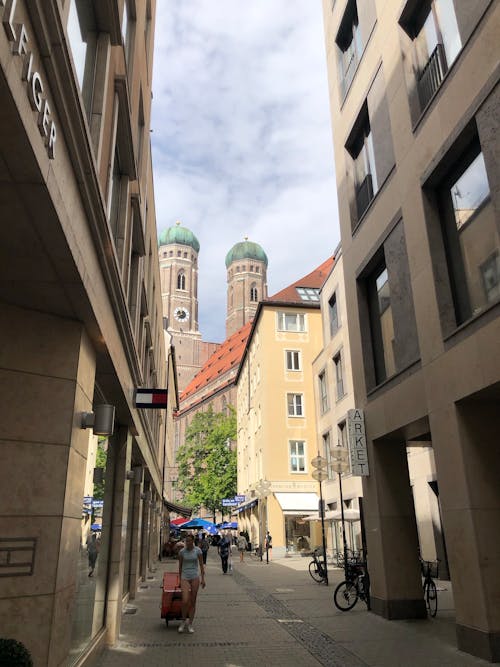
(92, 551)
(204, 546)
(242, 545)
(269, 544)
(191, 575)
(224, 548)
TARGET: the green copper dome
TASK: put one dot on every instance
(245, 250)
(179, 234)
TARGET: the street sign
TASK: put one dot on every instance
(240, 499)
(155, 399)
(229, 502)
(357, 443)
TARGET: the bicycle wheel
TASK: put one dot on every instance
(431, 598)
(316, 572)
(346, 595)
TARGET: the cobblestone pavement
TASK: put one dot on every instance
(274, 614)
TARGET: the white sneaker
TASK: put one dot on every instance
(190, 629)
(181, 628)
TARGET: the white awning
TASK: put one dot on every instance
(297, 503)
(335, 515)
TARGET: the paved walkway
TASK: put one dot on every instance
(274, 614)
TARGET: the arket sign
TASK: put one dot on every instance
(16, 33)
(357, 443)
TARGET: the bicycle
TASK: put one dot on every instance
(429, 569)
(355, 587)
(317, 568)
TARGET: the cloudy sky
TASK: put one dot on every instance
(241, 137)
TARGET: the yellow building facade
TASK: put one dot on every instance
(277, 435)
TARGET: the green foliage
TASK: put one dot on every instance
(14, 654)
(100, 462)
(206, 463)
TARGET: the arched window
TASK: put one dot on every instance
(253, 292)
(181, 280)
(231, 297)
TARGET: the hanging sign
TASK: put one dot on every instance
(357, 443)
(155, 399)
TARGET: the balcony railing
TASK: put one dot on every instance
(431, 76)
(364, 195)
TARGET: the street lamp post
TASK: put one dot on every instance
(262, 489)
(320, 473)
(340, 464)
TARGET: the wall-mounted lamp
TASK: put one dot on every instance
(101, 421)
(135, 475)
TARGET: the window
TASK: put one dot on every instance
(342, 435)
(140, 131)
(333, 314)
(323, 392)
(360, 146)
(253, 292)
(291, 322)
(82, 33)
(128, 23)
(116, 192)
(327, 453)
(350, 46)
(294, 403)
(292, 360)
(382, 325)
(434, 30)
(308, 293)
(181, 280)
(337, 361)
(471, 235)
(297, 456)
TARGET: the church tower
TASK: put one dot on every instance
(178, 251)
(246, 265)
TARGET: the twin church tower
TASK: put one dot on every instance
(246, 265)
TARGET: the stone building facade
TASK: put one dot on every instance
(81, 322)
(414, 102)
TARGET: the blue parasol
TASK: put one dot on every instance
(203, 524)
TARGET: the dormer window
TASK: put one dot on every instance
(308, 293)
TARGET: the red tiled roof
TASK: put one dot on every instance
(224, 359)
(314, 279)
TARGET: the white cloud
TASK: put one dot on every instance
(242, 141)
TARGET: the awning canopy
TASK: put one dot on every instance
(246, 506)
(178, 509)
(336, 515)
(298, 503)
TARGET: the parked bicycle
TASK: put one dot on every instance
(355, 587)
(430, 569)
(317, 567)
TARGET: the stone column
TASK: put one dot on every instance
(47, 368)
(119, 462)
(391, 534)
(466, 440)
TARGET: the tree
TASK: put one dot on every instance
(206, 462)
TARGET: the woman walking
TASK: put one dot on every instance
(190, 559)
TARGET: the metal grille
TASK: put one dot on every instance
(364, 195)
(431, 76)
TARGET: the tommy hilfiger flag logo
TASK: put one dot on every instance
(151, 398)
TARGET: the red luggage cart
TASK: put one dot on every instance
(171, 598)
